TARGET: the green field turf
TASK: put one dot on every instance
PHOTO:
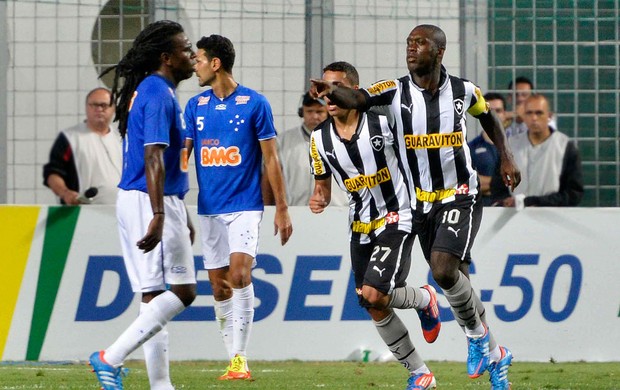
(316, 375)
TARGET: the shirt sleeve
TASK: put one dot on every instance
(265, 128)
(158, 116)
(381, 93)
(318, 166)
(189, 115)
(62, 163)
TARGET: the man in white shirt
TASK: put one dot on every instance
(549, 161)
(87, 155)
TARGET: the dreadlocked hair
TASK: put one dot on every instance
(141, 60)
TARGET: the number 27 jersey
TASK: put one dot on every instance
(226, 134)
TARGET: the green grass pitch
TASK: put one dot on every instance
(315, 375)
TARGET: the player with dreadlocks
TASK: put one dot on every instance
(156, 233)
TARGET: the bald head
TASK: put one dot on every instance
(537, 115)
(537, 100)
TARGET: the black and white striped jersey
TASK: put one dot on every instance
(369, 169)
(432, 134)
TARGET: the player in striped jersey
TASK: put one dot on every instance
(360, 151)
(428, 107)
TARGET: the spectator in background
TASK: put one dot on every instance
(521, 89)
(293, 147)
(87, 155)
(549, 162)
(484, 156)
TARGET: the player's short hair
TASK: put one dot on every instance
(348, 69)
(495, 96)
(221, 47)
(439, 36)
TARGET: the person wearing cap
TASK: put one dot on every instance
(293, 147)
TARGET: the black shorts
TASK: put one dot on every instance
(384, 263)
(450, 227)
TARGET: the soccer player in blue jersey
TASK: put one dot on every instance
(429, 108)
(155, 231)
(231, 127)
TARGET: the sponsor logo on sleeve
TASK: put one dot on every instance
(317, 163)
(381, 86)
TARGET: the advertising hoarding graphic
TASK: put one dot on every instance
(546, 273)
(17, 228)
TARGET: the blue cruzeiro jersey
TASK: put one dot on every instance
(155, 118)
(226, 135)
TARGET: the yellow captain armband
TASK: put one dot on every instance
(481, 105)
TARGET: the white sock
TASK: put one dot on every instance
(156, 358)
(495, 354)
(150, 321)
(426, 299)
(479, 331)
(422, 370)
(243, 316)
(223, 316)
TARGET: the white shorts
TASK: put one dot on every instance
(224, 234)
(172, 260)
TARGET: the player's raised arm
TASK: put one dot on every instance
(339, 94)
